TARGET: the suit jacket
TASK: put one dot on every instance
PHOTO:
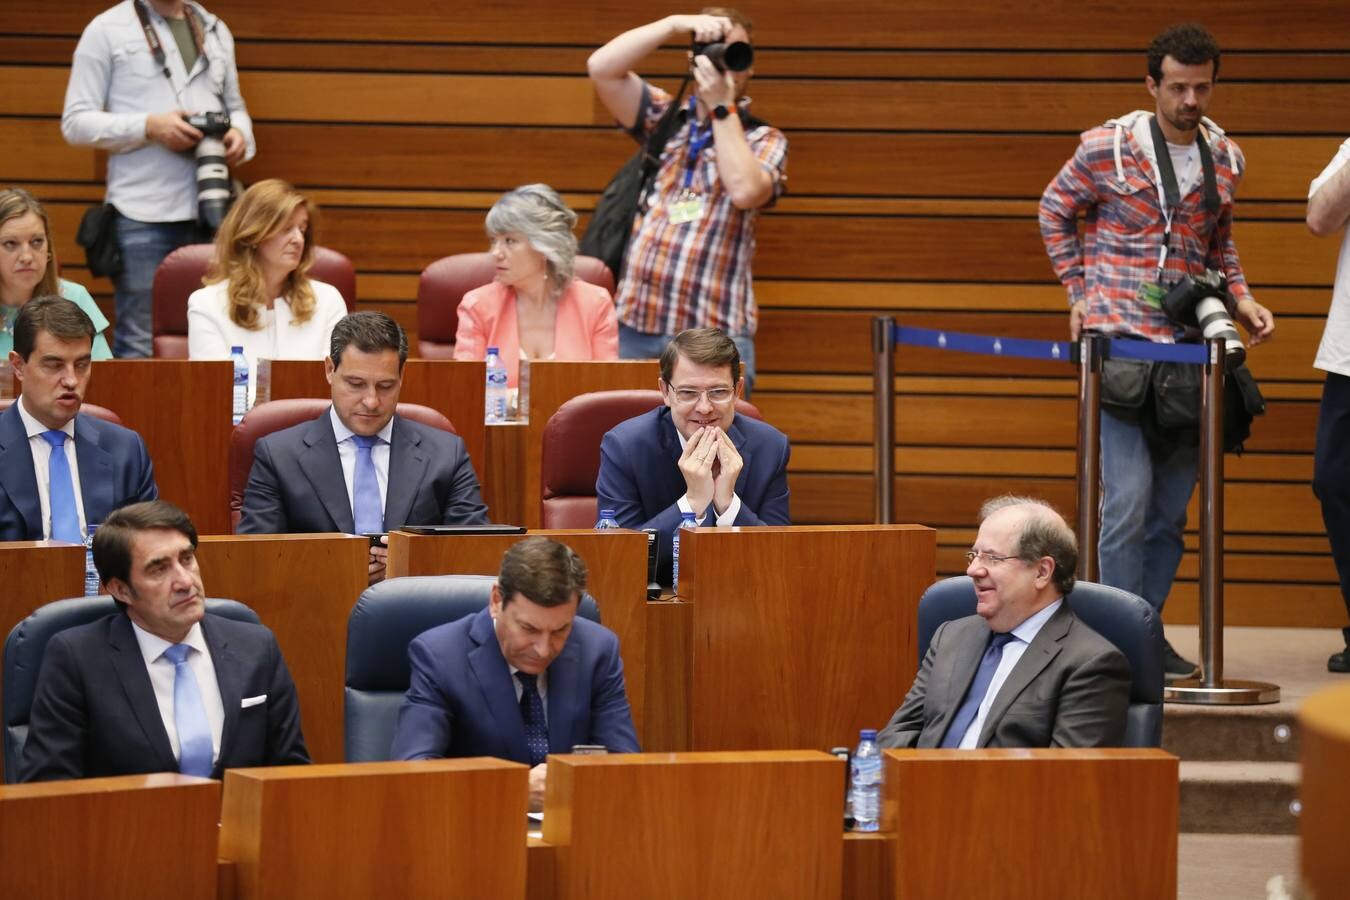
(640, 476)
(95, 714)
(296, 484)
(1071, 688)
(585, 328)
(461, 699)
(115, 470)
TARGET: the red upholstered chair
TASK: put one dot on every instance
(89, 409)
(570, 451)
(266, 418)
(181, 273)
(445, 282)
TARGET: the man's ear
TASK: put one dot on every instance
(495, 602)
(119, 589)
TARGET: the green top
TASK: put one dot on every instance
(182, 36)
(75, 294)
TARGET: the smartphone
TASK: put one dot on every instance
(589, 749)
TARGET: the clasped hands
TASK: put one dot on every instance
(710, 464)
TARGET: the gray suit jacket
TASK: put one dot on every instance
(1071, 688)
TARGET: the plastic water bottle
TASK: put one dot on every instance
(607, 520)
(496, 388)
(686, 521)
(866, 788)
(240, 382)
(91, 581)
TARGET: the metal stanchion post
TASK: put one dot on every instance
(1090, 351)
(883, 405)
(1210, 688)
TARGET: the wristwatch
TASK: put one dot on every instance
(720, 111)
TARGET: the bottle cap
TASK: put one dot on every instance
(234, 350)
(492, 351)
(868, 734)
(606, 513)
(688, 517)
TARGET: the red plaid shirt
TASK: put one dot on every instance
(695, 275)
(1112, 180)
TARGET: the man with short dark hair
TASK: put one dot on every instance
(160, 685)
(523, 678)
(1024, 671)
(61, 471)
(1157, 192)
(694, 454)
(360, 467)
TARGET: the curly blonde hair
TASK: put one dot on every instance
(261, 213)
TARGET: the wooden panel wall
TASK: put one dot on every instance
(921, 139)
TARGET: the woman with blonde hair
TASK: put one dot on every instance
(258, 292)
(28, 269)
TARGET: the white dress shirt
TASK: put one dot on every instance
(726, 518)
(1333, 353)
(1023, 635)
(161, 670)
(379, 455)
(42, 460)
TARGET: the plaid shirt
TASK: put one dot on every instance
(1112, 179)
(695, 275)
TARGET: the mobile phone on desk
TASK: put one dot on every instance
(589, 749)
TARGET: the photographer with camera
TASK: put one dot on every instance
(687, 262)
(154, 83)
(1157, 193)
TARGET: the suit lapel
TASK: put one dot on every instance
(407, 468)
(494, 680)
(16, 469)
(1043, 648)
(953, 679)
(738, 440)
(564, 688)
(231, 690)
(323, 467)
(96, 471)
(135, 683)
(672, 481)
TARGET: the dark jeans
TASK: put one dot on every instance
(143, 246)
(1331, 475)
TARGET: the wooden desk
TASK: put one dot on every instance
(303, 587)
(432, 828)
(695, 825)
(451, 387)
(137, 837)
(1030, 824)
(36, 572)
(182, 411)
(1324, 751)
(616, 562)
(798, 636)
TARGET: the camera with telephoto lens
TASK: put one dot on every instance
(734, 57)
(213, 173)
(1199, 302)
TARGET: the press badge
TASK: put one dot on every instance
(687, 208)
(1151, 293)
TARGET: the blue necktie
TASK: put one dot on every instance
(532, 711)
(367, 508)
(61, 491)
(978, 688)
(189, 716)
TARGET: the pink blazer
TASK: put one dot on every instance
(586, 326)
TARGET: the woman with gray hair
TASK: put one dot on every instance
(535, 308)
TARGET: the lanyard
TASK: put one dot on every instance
(157, 48)
(696, 144)
(1170, 188)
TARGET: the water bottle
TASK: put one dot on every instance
(91, 582)
(496, 388)
(240, 382)
(686, 521)
(607, 520)
(866, 788)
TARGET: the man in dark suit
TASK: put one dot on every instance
(523, 678)
(159, 686)
(1024, 671)
(694, 455)
(360, 468)
(61, 471)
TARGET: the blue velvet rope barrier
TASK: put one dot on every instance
(1055, 351)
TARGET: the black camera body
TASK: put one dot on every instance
(1200, 302)
(736, 56)
(211, 124)
(213, 173)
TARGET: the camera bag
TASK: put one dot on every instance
(97, 235)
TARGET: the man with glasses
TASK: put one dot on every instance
(1024, 671)
(694, 454)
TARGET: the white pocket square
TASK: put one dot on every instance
(252, 701)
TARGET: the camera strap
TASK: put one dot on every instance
(157, 48)
(1171, 190)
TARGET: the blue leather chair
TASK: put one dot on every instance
(383, 623)
(1119, 616)
(27, 641)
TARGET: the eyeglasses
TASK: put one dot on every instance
(717, 396)
(986, 557)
